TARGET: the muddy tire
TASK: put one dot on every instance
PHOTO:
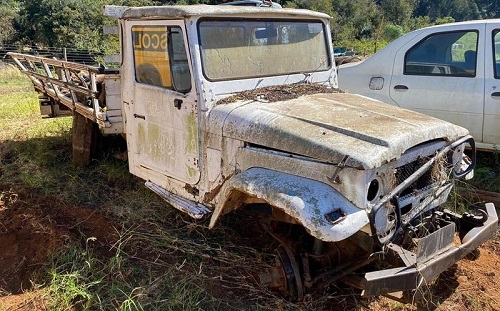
(86, 138)
(340, 60)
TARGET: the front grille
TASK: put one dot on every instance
(428, 178)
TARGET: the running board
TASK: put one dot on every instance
(195, 210)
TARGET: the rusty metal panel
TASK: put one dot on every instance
(307, 201)
(183, 11)
(111, 30)
(195, 210)
(407, 278)
(435, 243)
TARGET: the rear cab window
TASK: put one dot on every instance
(444, 54)
(496, 52)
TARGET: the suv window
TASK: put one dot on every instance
(496, 52)
(160, 57)
(444, 54)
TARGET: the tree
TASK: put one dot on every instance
(459, 10)
(397, 12)
(324, 6)
(392, 32)
(60, 23)
(355, 19)
(488, 8)
(9, 11)
(444, 20)
(417, 23)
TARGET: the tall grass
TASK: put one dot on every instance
(11, 77)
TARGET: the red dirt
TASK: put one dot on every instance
(32, 227)
(471, 284)
(481, 277)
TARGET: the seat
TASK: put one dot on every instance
(470, 60)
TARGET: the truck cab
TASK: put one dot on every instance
(176, 70)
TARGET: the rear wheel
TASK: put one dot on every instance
(86, 137)
(339, 60)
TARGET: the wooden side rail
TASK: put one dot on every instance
(70, 84)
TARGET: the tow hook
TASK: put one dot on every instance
(467, 220)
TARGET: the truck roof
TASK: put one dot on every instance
(470, 23)
(183, 11)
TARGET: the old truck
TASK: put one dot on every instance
(227, 108)
(449, 71)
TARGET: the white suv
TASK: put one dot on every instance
(450, 71)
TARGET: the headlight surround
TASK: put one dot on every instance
(373, 191)
(386, 222)
(463, 164)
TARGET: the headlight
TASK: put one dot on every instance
(373, 190)
(386, 222)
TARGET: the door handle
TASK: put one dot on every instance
(400, 87)
(139, 116)
(495, 95)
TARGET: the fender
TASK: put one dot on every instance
(308, 201)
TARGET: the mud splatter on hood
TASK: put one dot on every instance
(329, 126)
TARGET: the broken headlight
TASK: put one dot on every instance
(463, 164)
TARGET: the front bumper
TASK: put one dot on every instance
(437, 252)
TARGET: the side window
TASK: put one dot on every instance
(496, 52)
(181, 76)
(444, 54)
(160, 57)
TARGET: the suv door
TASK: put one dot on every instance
(442, 75)
(160, 100)
(491, 130)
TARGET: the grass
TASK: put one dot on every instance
(10, 77)
(487, 172)
(82, 279)
(150, 257)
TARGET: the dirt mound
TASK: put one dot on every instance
(33, 227)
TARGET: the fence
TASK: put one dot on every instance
(67, 53)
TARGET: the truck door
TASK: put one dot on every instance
(442, 75)
(160, 102)
(491, 131)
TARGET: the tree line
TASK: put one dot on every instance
(359, 24)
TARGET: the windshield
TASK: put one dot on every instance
(243, 49)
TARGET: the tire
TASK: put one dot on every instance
(346, 60)
(85, 139)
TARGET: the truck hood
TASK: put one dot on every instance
(327, 127)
